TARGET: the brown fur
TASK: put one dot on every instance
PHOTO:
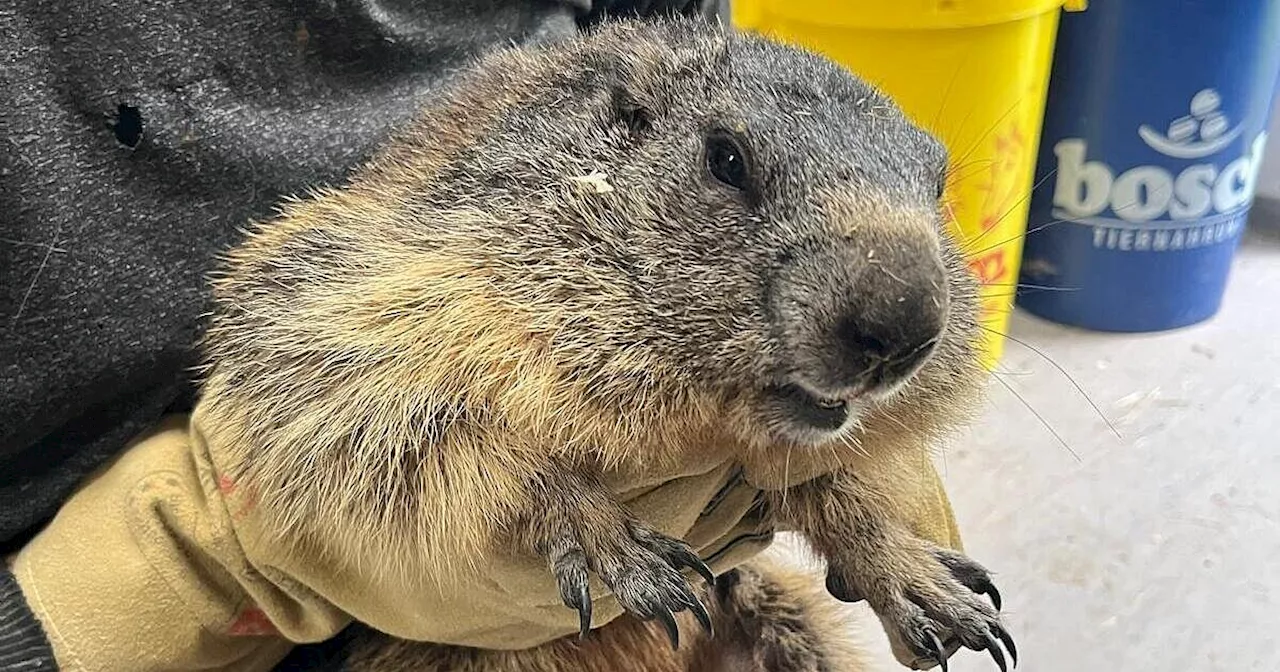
(463, 338)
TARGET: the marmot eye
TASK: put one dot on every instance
(726, 160)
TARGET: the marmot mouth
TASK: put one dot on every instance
(807, 408)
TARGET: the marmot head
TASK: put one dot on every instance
(663, 210)
(748, 216)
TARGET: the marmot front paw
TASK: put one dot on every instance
(923, 592)
(642, 568)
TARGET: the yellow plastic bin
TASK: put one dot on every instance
(975, 72)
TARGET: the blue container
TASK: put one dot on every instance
(1153, 136)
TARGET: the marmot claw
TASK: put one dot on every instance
(643, 570)
(972, 575)
(940, 597)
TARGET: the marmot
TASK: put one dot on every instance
(661, 242)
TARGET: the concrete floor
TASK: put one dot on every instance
(1159, 550)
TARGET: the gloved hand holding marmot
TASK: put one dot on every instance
(599, 290)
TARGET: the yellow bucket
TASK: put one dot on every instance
(975, 72)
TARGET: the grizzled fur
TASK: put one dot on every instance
(540, 278)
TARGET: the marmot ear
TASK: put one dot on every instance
(635, 83)
(629, 111)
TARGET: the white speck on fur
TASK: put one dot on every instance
(596, 180)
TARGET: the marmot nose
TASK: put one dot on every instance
(879, 353)
(889, 329)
